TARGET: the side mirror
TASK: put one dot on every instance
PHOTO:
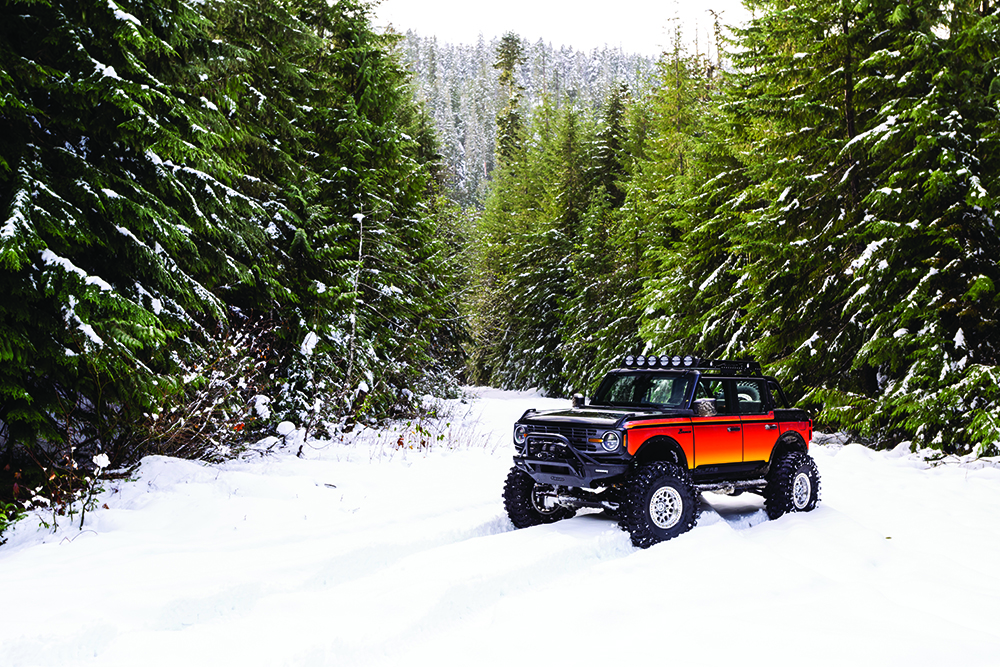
(705, 407)
(578, 400)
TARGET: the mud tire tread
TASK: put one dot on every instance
(780, 481)
(634, 511)
(517, 501)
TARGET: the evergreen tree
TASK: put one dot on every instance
(510, 122)
(460, 84)
(608, 168)
(845, 210)
(762, 255)
(923, 272)
(370, 227)
(530, 347)
(809, 185)
(169, 171)
(600, 320)
(122, 224)
(501, 224)
(690, 172)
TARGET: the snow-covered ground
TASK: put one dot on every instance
(365, 553)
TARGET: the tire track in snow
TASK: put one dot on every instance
(417, 597)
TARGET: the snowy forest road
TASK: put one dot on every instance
(364, 553)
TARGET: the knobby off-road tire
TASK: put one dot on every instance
(523, 505)
(792, 485)
(660, 502)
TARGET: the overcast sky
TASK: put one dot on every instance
(638, 26)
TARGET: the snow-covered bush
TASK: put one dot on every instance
(224, 401)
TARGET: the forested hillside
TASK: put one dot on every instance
(215, 215)
(823, 197)
(460, 87)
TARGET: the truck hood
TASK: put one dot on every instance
(605, 417)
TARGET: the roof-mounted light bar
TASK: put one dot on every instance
(664, 361)
(689, 362)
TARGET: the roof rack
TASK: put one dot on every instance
(692, 363)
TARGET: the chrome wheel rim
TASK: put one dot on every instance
(666, 507)
(538, 501)
(801, 490)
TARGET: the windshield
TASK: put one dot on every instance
(638, 389)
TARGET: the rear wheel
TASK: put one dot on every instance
(526, 503)
(660, 503)
(792, 485)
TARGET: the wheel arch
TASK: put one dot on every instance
(661, 448)
(790, 441)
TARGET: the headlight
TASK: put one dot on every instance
(520, 434)
(612, 441)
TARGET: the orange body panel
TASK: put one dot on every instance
(717, 441)
(760, 432)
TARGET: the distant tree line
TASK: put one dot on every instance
(463, 93)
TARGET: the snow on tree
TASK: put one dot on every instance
(175, 173)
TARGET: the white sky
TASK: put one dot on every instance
(638, 26)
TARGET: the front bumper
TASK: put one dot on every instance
(549, 458)
(567, 473)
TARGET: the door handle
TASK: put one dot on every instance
(733, 428)
(770, 427)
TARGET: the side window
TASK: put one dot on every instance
(752, 397)
(710, 388)
(777, 396)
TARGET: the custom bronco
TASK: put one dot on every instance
(658, 432)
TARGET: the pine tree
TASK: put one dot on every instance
(370, 229)
(462, 87)
(845, 210)
(540, 275)
(688, 175)
(762, 254)
(121, 223)
(808, 186)
(923, 274)
(171, 171)
(608, 169)
(510, 121)
(600, 320)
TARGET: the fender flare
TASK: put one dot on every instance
(661, 448)
(789, 441)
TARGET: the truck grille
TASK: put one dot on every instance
(577, 435)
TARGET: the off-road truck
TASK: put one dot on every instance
(658, 432)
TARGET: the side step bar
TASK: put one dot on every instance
(728, 488)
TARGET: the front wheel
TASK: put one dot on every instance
(792, 485)
(660, 503)
(525, 503)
